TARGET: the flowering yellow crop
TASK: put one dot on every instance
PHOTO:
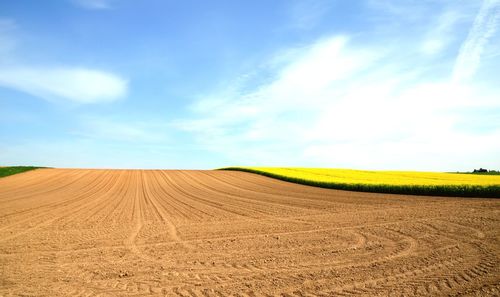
(399, 182)
(350, 176)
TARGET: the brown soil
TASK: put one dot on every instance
(219, 233)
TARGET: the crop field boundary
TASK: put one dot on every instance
(11, 170)
(478, 191)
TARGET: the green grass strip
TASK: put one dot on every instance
(6, 171)
(488, 191)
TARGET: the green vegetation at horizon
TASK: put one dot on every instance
(393, 182)
(492, 172)
(6, 171)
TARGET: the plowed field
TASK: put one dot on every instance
(220, 233)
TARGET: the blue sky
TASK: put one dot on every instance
(373, 84)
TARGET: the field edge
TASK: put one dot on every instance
(475, 191)
(11, 170)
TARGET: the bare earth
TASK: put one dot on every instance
(217, 233)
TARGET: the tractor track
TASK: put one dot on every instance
(75, 232)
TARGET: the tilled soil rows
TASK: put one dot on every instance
(69, 232)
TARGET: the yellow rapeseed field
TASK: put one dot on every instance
(404, 182)
(350, 176)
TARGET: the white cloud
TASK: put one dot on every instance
(112, 129)
(323, 63)
(7, 41)
(394, 10)
(306, 14)
(440, 34)
(54, 83)
(482, 30)
(93, 4)
(335, 104)
(78, 85)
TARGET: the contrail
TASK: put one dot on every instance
(482, 30)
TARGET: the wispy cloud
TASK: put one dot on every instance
(406, 11)
(94, 4)
(54, 82)
(7, 41)
(368, 84)
(78, 85)
(440, 35)
(306, 14)
(338, 104)
(122, 130)
(482, 30)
